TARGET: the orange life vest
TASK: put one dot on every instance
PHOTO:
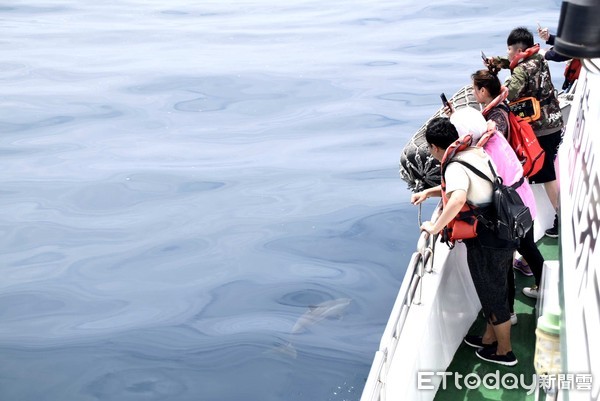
(464, 224)
(523, 55)
(497, 100)
(572, 72)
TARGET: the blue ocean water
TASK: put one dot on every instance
(182, 181)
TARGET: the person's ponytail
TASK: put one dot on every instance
(487, 79)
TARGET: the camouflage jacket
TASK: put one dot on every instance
(531, 77)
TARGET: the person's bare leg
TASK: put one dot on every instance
(551, 188)
(502, 332)
(490, 335)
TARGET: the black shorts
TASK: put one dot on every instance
(550, 144)
(489, 269)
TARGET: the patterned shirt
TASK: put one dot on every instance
(500, 117)
(531, 78)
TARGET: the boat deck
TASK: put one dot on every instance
(523, 341)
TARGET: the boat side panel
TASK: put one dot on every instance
(579, 158)
(435, 328)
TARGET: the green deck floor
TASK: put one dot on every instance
(523, 341)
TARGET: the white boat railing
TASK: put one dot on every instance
(421, 262)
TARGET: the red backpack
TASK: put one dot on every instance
(520, 136)
(525, 144)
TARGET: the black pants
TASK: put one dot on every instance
(532, 255)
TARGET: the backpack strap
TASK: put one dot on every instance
(485, 177)
(476, 171)
(504, 107)
(480, 216)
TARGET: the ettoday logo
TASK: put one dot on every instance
(508, 381)
(471, 381)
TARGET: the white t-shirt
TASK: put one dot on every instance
(457, 176)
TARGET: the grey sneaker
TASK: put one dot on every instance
(513, 319)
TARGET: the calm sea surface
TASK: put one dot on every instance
(182, 180)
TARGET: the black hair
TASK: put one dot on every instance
(520, 35)
(487, 79)
(441, 132)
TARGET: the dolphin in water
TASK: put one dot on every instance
(313, 315)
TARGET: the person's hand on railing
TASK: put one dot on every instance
(429, 227)
(418, 198)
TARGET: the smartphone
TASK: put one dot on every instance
(484, 57)
(444, 100)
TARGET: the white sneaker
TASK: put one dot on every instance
(531, 292)
(513, 319)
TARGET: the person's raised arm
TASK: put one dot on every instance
(544, 34)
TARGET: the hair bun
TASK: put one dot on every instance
(493, 69)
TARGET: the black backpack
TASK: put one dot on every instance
(510, 219)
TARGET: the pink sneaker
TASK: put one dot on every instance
(522, 267)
